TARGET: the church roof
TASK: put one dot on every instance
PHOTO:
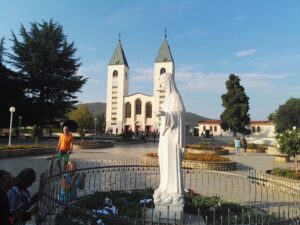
(118, 57)
(164, 54)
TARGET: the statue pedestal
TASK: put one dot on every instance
(171, 212)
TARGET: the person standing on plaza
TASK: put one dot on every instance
(64, 147)
(237, 145)
(244, 143)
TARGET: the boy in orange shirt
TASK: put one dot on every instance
(64, 147)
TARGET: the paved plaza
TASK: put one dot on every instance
(258, 161)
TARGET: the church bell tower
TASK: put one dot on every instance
(117, 88)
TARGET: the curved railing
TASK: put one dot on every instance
(249, 188)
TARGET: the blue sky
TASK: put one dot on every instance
(256, 40)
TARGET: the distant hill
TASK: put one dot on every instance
(192, 119)
(98, 108)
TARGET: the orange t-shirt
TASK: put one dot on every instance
(65, 142)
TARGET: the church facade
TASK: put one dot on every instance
(134, 112)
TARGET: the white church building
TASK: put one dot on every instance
(134, 112)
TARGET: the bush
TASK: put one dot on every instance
(127, 135)
(284, 172)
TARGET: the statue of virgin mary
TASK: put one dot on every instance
(171, 144)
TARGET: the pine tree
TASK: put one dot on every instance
(11, 91)
(236, 103)
(49, 66)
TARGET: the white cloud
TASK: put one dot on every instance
(245, 53)
(192, 79)
(224, 62)
(87, 48)
(142, 74)
(96, 69)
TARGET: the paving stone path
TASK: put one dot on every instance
(258, 161)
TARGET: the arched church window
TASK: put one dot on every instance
(138, 106)
(162, 70)
(253, 130)
(115, 74)
(258, 129)
(127, 110)
(148, 110)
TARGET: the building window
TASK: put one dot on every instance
(138, 107)
(162, 70)
(253, 130)
(210, 128)
(215, 128)
(258, 129)
(204, 128)
(126, 75)
(127, 110)
(115, 74)
(148, 110)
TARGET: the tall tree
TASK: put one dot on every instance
(9, 81)
(48, 61)
(82, 116)
(287, 115)
(236, 103)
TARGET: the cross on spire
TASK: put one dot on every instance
(119, 37)
(165, 33)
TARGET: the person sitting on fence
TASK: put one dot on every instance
(70, 183)
(22, 205)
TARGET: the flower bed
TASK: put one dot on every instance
(199, 161)
(25, 150)
(92, 145)
(206, 147)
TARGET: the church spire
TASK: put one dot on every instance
(164, 54)
(118, 57)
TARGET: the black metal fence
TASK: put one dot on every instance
(267, 200)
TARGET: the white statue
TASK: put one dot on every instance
(171, 144)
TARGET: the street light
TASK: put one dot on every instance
(12, 110)
(95, 127)
(294, 128)
(20, 118)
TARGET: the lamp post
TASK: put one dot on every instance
(95, 127)
(294, 128)
(20, 118)
(61, 125)
(12, 110)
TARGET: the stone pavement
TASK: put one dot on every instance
(258, 161)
